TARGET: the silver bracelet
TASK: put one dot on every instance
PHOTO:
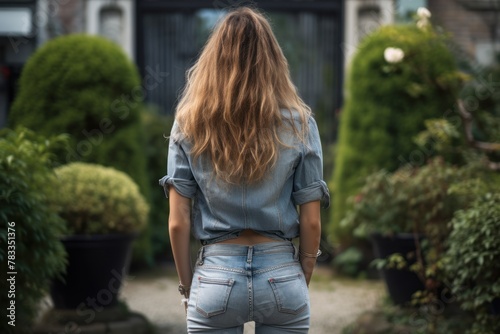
(305, 254)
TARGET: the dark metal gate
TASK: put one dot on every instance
(170, 35)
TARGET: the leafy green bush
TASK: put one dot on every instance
(87, 87)
(158, 127)
(379, 207)
(349, 261)
(411, 199)
(94, 199)
(386, 105)
(416, 200)
(25, 177)
(482, 99)
(472, 261)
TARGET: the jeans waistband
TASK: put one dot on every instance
(244, 250)
(232, 235)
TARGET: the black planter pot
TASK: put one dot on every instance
(401, 284)
(495, 307)
(96, 268)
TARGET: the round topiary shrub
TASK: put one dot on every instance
(399, 77)
(87, 87)
(94, 199)
(29, 230)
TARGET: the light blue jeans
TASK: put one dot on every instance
(233, 284)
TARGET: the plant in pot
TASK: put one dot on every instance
(406, 214)
(431, 206)
(84, 85)
(104, 212)
(472, 262)
(378, 213)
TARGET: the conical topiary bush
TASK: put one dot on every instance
(390, 93)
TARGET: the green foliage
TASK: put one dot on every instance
(393, 261)
(418, 200)
(349, 261)
(87, 87)
(482, 101)
(411, 199)
(441, 138)
(386, 106)
(380, 206)
(472, 260)
(25, 177)
(94, 199)
(158, 128)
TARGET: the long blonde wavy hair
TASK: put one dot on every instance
(230, 108)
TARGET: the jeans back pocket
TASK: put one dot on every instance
(290, 293)
(213, 295)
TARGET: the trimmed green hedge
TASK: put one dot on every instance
(87, 87)
(34, 230)
(94, 199)
(158, 128)
(386, 106)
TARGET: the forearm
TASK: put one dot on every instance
(179, 240)
(179, 226)
(310, 237)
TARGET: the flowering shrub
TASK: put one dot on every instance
(393, 55)
(94, 199)
(423, 16)
(400, 76)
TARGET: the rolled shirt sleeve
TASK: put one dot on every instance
(308, 179)
(179, 174)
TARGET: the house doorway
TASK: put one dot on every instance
(170, 35)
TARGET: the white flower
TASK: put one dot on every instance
(423, 13)
(422, 23)
(393, 55)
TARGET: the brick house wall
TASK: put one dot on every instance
(469, 28)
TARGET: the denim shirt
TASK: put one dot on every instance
(222, 211)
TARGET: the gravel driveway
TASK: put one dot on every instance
(334, 302)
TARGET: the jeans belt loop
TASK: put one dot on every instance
(200, 255)
(295, 251)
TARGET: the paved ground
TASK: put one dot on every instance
(334, 302)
